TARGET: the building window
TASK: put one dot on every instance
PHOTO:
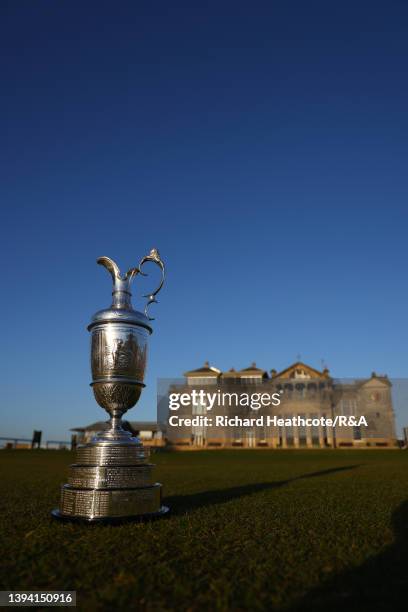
(300, 388)
(356, 432)
(199, 408)
(289, 433)
(348, 407)
(202, 381)
(302, 432)
(280, 433)
(251, 379)
(288, 389)
(146, 435)
(314, 431)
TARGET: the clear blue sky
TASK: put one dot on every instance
(261, 147)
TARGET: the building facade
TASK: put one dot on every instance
(304, 392)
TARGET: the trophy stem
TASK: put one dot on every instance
(116, 424)
(116, 431)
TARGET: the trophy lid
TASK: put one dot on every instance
(112, 315)
(121, 310)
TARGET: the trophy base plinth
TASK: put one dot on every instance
(115, 520)
(110, 477)
(112, 455)
(111, 483)
(110, 503)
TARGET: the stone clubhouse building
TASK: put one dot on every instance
(304, 391)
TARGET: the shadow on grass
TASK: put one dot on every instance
(379, 584)
(179, 504)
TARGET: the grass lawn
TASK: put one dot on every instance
(249, 530)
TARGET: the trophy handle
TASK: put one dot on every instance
(153, 256)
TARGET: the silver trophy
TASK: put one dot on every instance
(112, 479)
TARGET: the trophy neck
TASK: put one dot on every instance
(121, 295)
(121, 300)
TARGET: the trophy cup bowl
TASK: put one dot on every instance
(112, 479)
